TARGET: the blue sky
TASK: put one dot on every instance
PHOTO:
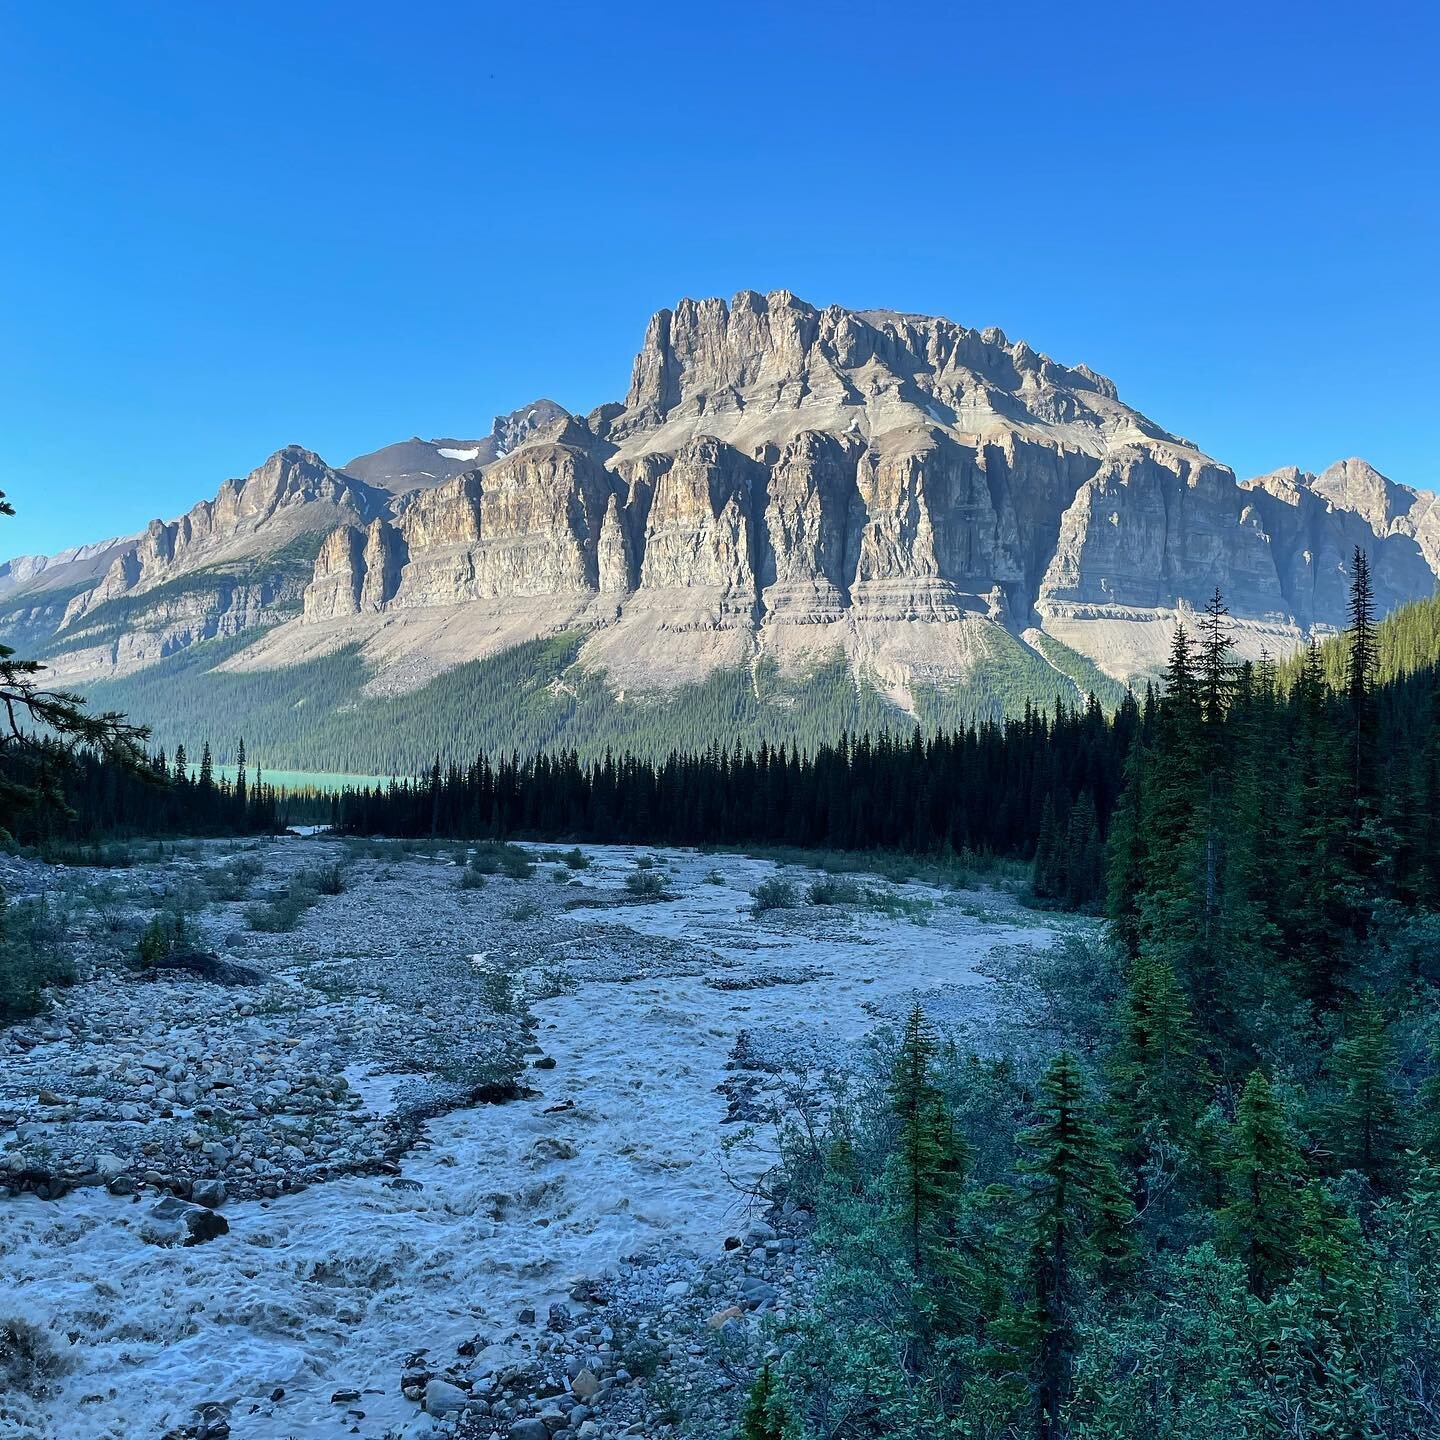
(229, 227)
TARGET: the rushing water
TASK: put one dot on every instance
(331, 1288)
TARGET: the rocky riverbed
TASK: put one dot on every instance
(446, 1156)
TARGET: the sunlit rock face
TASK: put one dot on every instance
(790, 481)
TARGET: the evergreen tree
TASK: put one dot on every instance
(1159, 1081)
(1079, 1228)
(929, 1167)
(1368, 1116)
(1126, 861)
(1263, 1222)
(763, 1417)
(29, 710)
(1083, 855)
(1425, 1123)
(1360, 672)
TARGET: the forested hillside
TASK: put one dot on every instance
(318, 715)
(1405, 641)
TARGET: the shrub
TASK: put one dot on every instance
(576, 859)
(497, 857)
(525, 910)
(281, 913)
(714, 877)
(32, 956)
(499, 990)
(111, 856)
(644, 862)
(834, 890)
(773, 894)
(645, 885)
(326, 880)
(897, 907)
(234, 879)
(164, 935)
(472, 879)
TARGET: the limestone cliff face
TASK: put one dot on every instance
(229, 564)
(292, 494)
(700, 531)
(1315, 524)
(529, 524)
(1153, 529)
(776, 465)
(779, 478)
(615, 555)
(356, 570)
(810, 525)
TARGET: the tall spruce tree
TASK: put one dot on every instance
(1368, 1115)
(1263, 1221)
(1159, 1081)
(1079, 1230)
(929, 1160)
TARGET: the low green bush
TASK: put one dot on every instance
(498, 857)
(645, 885)
(33, 955)
(835, 890)
(773, 894)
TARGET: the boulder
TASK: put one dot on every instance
(204, 1225)
(443, 1398)
(209, 1193)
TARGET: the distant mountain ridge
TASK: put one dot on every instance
(783, 489)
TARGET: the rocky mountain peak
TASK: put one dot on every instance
(511, 431)
(1355, 484)
(781, 480)
(415, 464)
(760, 367)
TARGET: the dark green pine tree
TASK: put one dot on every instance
(1263, 1221)
(1365, 846)
(1125, 859)
(1079, 1230)
(764, 1415)
(240, 793)
(1368, 1114)
(930, 1157)
(1427, 794)
(1425, 1121)
(1315, 917)
(1159, 1081)
(1045, 873)
(1083, 855)
(207, 768)
(1172, 919)
(1360, 671)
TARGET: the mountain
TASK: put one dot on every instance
(796, 521)
(417, 464)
